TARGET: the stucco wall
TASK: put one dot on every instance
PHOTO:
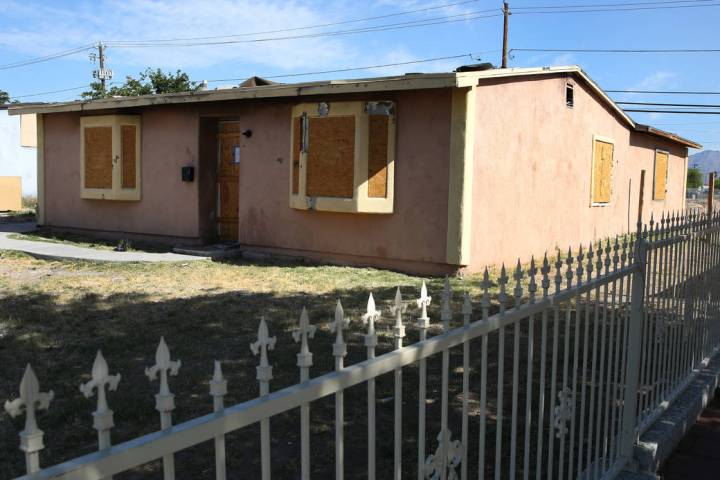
(416, 229)
(532, 171)
(168, 207)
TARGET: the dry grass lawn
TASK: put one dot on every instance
(55, 315)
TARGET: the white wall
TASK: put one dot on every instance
(14, 159)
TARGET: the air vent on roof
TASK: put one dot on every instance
(477, 67)
(257, 82)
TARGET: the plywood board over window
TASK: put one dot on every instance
(331, 157)
(110, 157)
(660, 175)
(98, 157)
(343, 157)
(602, 170)
(378, 156)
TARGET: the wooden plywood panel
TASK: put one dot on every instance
(331, 157)
(377, 155)
(98, 157)
(661, 169)
(128, 137)
(297, 143)
(10, 193)
(602, 171)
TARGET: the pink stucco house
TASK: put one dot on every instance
(428, 173)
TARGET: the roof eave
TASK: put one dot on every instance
(406, 82)
(667, 135)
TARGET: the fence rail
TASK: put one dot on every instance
(585, 351)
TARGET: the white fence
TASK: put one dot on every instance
(585, 351)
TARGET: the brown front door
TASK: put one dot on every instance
(229, 153)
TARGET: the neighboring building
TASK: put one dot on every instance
(18, 142)
(422, 172)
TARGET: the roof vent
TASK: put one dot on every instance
(256, 82)
(477, 67)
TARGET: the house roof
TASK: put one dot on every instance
(415, 81)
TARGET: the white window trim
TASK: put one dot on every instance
(600, 138)
(360, 202)
(667, 171)
(116, 192)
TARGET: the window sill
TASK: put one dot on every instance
(342, 205)
(102, 194)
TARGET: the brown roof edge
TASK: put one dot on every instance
(667, 135)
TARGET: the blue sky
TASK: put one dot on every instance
(31, 29)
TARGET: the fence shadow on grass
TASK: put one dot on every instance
(60, 341)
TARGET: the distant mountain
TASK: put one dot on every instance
(706, 161)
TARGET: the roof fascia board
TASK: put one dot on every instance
(424, 81)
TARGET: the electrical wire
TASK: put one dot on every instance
(664, 92)
(688, 112)
(656, 104)
(622, 9)
(367, 67)
(15, 97)
(601, 50)
(46, 58)
(472, 56)
(376, 28)
(321, 25)
(599, 5)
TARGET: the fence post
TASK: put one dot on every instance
(628, 432)
(711, 194)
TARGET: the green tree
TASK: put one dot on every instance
(694, 178)
(148, 82)
(4, 97)
(717, 185)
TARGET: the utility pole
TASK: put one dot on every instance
(506, 21)
(101, 73)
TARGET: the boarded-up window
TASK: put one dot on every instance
(661, 171)
(331, 157)
(98, 157)
(128, 158)
(110, 157)
(297, 142)
(602, 171)
(377, 155)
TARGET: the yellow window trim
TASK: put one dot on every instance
(667, 170)
(611, 141)
(360, 202)
(116, 192)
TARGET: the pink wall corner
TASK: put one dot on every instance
(532, 175)
(168, 206)
(415, 231)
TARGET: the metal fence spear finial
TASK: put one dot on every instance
(103, 416)
(30, 399)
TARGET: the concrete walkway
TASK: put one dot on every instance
(60, 251)
(698, 455)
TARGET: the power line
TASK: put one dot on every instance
(14, 97)
(687, 124)
(309, 27)
(46, 58)
(688, 112)
(600, 5)
(600, 50)
(472, 56)
(655, 104)
(664, 92)
(623, 9)
(367, 67)
(376, 28)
